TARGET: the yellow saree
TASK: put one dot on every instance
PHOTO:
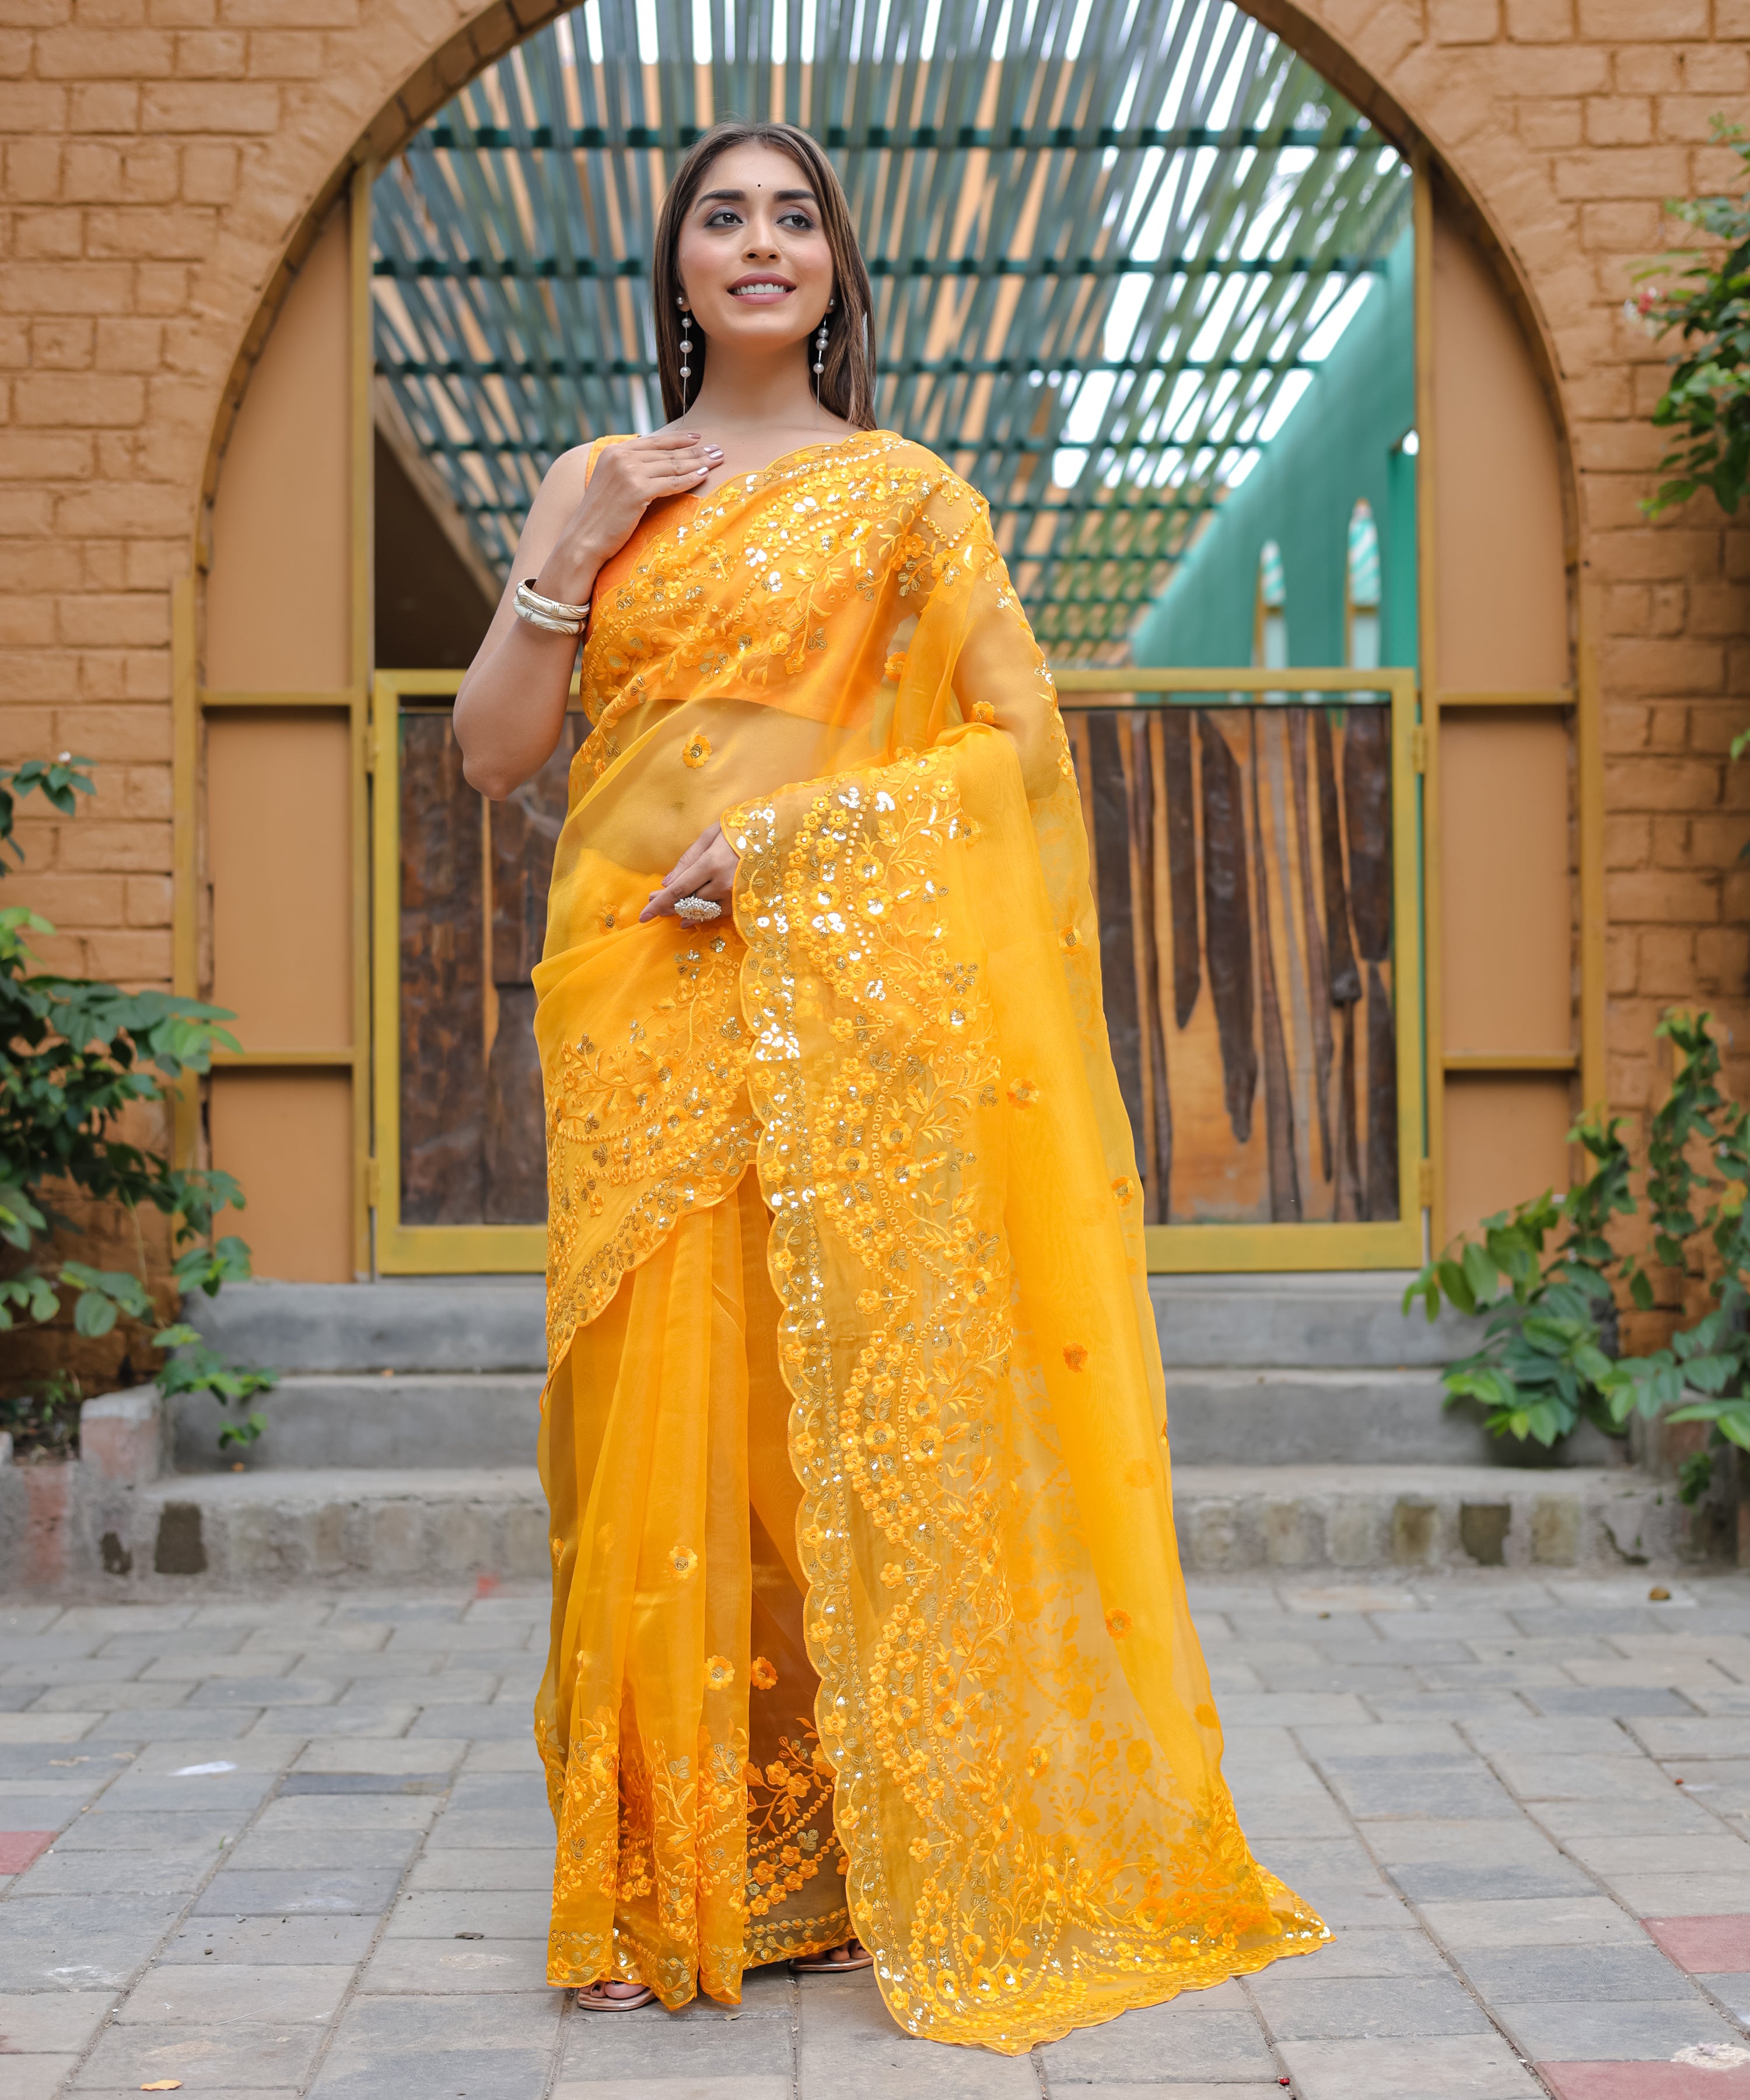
(867, 1612)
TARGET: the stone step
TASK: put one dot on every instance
(339, 1522)
(1219, 1418)
(367, 1525)
(424, 1323)
(1274, 1370)
(1300, 1417)
(423, 1419)
(1434, 1516)
(1350, 1319)
(1331, 1320)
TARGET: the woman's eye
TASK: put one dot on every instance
(723, 216)
(799, 220)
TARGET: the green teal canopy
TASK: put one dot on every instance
(1109, 242)
(1325, 523)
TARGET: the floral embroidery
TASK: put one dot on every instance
(583, 1789)
(790, 1838)
(1124, 1187)
(795, 551)
(656, 1125)
(1018, 1849)
(869, 1158)
(1075, 1356)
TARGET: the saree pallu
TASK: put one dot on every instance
(853, 1176)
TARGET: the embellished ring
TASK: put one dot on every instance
(697, 911)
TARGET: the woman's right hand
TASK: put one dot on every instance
(627, 478)
(510, 707)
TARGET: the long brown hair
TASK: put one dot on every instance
(847, 384)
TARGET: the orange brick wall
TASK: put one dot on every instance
(162, 159)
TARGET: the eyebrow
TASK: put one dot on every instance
(740, 196)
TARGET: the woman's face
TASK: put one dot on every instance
(754, 260)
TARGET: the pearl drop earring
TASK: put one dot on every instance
(686, 347)
(820, 348)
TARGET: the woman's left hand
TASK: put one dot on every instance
(706, 869)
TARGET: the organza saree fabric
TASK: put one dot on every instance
(858, 1165)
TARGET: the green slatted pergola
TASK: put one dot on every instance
(1108, 239)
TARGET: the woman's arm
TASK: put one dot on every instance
(511, 705)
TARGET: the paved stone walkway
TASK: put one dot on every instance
(299, 1846)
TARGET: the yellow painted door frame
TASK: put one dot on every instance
(194, 703)
(1578, 703)
(413, 1250)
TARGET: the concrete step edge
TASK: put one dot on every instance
(1273, 1482)
(462, 1324)
(1424, 1377)
(321, 1484)
(361, 1524)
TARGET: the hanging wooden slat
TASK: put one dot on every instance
(1228, 920)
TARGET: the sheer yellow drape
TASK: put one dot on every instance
(900, 1035)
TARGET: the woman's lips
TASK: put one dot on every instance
(761, 288)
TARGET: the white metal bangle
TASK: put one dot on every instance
(552, 613)
(571, 627)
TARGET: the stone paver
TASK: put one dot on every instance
(298, 1848)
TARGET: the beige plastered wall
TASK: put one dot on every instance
(171, 165)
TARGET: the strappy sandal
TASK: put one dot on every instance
(589, 2001)
(819, 1964)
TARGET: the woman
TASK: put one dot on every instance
(837, 1162)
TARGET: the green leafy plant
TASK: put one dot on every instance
(1547, 1362)
(1698, 1171)
(44, 1422)
(1707, 402)
(75, 1056)
(1542, 1367)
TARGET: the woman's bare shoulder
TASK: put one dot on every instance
(570, 469)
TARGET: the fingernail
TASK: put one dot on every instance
(715, 451)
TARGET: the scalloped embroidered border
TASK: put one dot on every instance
(799, 1183)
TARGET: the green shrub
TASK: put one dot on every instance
(76, 1055)
(1548, 1361)
(1707, 403)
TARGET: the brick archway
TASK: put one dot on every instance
(169, 161)
(1426, 91)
